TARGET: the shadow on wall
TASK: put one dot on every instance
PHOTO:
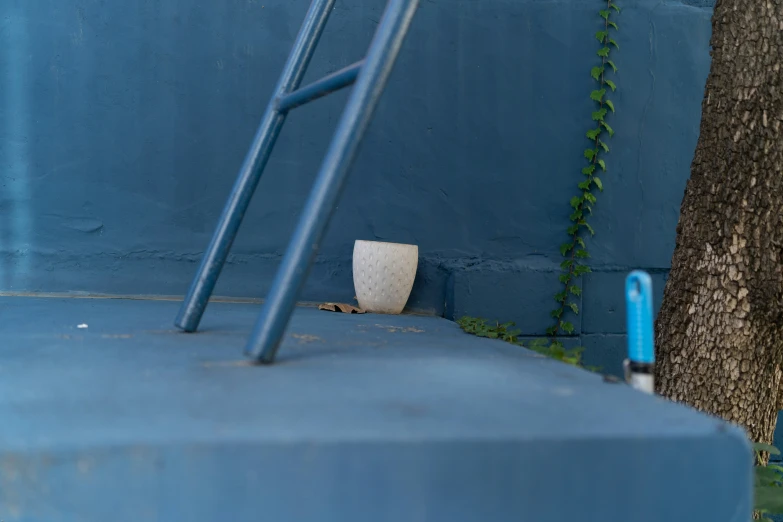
(124, 126)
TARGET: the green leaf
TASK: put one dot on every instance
(582, 253)
(573, 307)
(580, 270)
(610, 104)
(593, 134)
(611, 64)
(511, 337)
(769, 498)
(563, 278)
(765, 476)
(539, 343)
(585, 185)
(597, 95)
(604, 53)
(552, 330)
(556, 313)
(613, 6)
(588, 170)
(612, 24)
(565, 248)
(580, 241)
(576, 201)
(602, 164)
(603, 146)
(588, 227)
(575, 290)
(604, 14)
(601, 36)
(599, 114)
(565, 265)
(760, 446)
(589, 197)
(596, 72)
(598, 183)
(589, 154)
(576, 215)
(560, 296)
(573, 229)
(567, 327)
(608, 128)
(612, 42)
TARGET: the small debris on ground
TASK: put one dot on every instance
(304, 338)
(340, 307)
(399, 329)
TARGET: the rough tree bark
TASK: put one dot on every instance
(719, 334)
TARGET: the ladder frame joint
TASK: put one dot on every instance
(330, 83)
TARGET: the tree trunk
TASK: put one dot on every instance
(719, 334)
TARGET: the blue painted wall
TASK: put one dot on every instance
(122, 126)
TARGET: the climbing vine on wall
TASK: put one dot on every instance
(575, 250)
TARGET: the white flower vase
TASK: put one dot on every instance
(383, 275)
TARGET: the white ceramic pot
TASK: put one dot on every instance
(383, 275)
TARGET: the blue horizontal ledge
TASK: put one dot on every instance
(363, 418)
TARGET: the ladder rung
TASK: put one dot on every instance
(326, 85)
(270, 328)
(375, 68)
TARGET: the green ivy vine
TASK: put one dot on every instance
(575, 249)
(506, 332)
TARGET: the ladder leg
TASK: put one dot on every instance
(215, 256)
(270, 328)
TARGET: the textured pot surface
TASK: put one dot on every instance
(383, 275)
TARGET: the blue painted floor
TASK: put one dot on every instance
(365, 417)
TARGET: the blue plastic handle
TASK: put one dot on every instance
(639, 312)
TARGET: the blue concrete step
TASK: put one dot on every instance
(364, 418)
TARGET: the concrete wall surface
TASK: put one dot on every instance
(123, 124)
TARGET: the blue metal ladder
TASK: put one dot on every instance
(370, 76)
